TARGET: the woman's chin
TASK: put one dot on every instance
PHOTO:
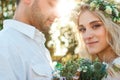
(92, 52)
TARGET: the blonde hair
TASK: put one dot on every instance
(112, 29)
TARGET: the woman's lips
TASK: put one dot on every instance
(91, 43)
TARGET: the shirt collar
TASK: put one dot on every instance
(26, 29)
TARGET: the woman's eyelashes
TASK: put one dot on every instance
(82, 29)
(92, 26)
(95, 26)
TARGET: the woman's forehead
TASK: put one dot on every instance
(87, 17)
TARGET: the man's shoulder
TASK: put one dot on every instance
(8, 36)
(5, 32)
(3, 37)
(9, 33)
(12, 37)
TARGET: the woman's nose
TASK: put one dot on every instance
(88, 35)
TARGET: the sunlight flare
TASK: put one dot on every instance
(65, 7)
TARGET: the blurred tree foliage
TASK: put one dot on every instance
(7, 8)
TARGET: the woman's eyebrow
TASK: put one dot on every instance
(95, 22)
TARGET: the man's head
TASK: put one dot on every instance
(38, 13)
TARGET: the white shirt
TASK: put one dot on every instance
(23, 55)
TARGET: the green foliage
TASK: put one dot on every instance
(69, 69)
(92, 70)
(88, 70)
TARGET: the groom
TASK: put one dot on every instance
(23, 55)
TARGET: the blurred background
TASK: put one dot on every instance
(61, 41)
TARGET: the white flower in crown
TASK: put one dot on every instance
(93, 4)
(116, 12)
(108, 10)
(116, 62)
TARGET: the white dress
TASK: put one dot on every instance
(112, 73)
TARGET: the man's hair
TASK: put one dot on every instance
(17, 1)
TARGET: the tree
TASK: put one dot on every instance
(7, 8)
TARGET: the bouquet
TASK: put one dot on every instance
(80, 69)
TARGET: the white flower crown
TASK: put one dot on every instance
(109, 8)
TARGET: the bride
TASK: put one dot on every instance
(99, 34)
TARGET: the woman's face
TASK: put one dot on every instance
(93, 32)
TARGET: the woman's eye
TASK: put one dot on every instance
(82, 29)
(96, 26)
